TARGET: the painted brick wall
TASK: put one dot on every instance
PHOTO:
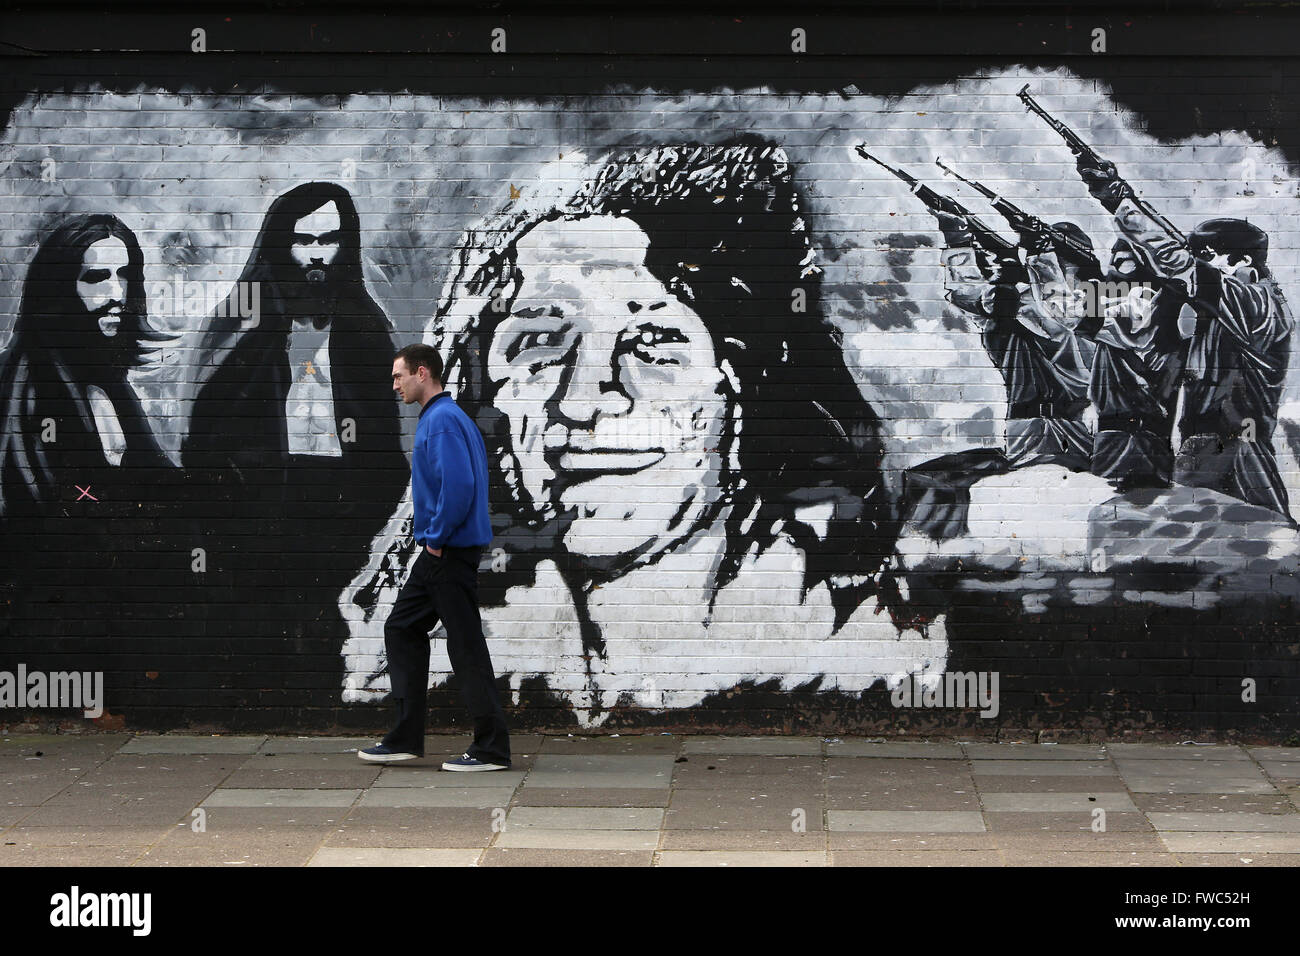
(759, 422)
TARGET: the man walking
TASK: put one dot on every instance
(451, 525)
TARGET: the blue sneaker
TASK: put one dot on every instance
(466, 762)
(381, 753)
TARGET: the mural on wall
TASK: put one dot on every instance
(762, 408)
(674, 435)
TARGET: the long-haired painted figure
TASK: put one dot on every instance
(295, 431)
(69, 415)
(80, 468)
(665, 407)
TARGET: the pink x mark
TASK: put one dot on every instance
(85, 492)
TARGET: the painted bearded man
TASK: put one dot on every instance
(678, 451)
(81, 473)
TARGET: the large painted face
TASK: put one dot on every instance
(102, 283)
(316, 241)
(616, 402)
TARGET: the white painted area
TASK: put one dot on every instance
(660, 652)
(309, 406)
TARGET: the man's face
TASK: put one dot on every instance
(1219, 260)
(616, 402)
(407, 384)
(102, 283)
(316, 241)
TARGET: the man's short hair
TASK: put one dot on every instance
(416, 355)
(1235, 237)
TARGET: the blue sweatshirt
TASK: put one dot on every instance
(449, 478)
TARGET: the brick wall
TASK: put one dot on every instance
(752, 467)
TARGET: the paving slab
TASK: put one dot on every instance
(421, 827)
(1214, 802)
(33, 792)
(1084, 802)
(539, 838)
(753, 745)
(1109, 841)
(910, 821)
(1216, 842)
(282, 798)
(506, 856)
(219, 818)
(281, 746)
(1195, 784)
(1077, 821)
(407, 776)
(585, 818)
(1205, 769)
(10, 816)
(113, 810)
(814, 838)
(1176, 752)
(1010, 751)
(1057, 768)
(944, 858)
(850, 747)
(1227, 822)
(1048, 783)
(473, 797)
(130, 835)
(393, 856)
(1291, 754)
(357, 779)
(155, 771)
(1287, 771)
(903, 798)
(1075, 858)
(591, 797)
(609, 771)
(624, 744)
(308, 761)
(270, 847)
(730, 815)
(885, 840)
(70, 856)
(61, 744)
(706, 782)
(1238, 860)
(744, 858)
(178, 744)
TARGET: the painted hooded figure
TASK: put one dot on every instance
(303, 382)
(294, 435)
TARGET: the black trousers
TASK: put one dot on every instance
(443, 589)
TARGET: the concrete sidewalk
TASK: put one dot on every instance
(122, 800)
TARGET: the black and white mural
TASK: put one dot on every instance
(794, 395)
